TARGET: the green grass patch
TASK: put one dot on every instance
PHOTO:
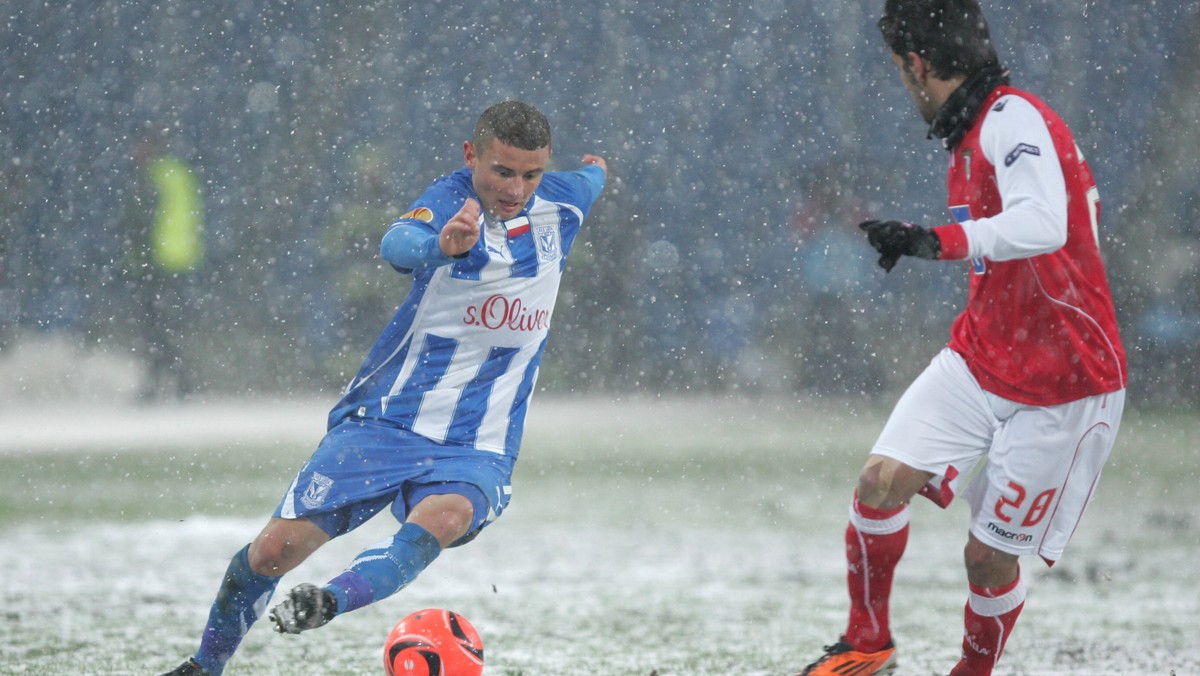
(137, 485)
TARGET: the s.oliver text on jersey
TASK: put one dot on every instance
(499, 312)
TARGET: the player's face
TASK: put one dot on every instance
(911, 74)
(504, 176)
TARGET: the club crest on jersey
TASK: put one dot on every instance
(318, 490)
(1021, 149)
(547, 242)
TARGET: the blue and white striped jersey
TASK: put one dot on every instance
(458, 362)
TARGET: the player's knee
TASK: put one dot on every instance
(454, 523)
(267, 557)
(874, 485)
(871, 489)
(988, 567)
(277, 551)
(887, 484)
(447, 517)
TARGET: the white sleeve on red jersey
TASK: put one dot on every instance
(1029, 176)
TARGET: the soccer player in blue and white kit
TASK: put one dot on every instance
(431, 425)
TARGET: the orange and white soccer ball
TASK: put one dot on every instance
(433, 642)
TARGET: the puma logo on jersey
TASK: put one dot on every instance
(1021, 149)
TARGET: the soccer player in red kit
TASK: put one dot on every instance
(1034, 376)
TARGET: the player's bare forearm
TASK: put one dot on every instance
(462, 231)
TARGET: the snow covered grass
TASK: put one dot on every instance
(668, 537)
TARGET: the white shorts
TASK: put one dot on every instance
(1043, 462)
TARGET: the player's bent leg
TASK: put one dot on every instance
(381, 570)
(876, 538)
(284, 544)
(446, 516)
(875, 542)
(996, 598)
(239, 602)
(384, 568)
(886, 483)
(988, 566)
(436, 522)
(249, 581)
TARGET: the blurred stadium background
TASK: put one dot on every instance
(743, 139)
(719, 300)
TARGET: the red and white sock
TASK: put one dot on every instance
(989, 617)
(875, 541)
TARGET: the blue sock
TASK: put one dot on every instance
(241, 599)
(385, 568)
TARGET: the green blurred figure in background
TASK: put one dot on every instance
(163, 217)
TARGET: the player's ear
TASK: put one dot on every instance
(918, 68)
(469, 155)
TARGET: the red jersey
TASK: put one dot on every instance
(1039, 327)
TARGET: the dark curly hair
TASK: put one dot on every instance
(952, 35)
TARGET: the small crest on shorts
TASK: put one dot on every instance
(318, 490)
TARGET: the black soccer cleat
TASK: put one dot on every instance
(307, 606)
(189, 668)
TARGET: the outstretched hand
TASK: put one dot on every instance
(893, 239)
(462, 231)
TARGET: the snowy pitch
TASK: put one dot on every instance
(683, 537)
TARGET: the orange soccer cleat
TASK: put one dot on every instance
(841, 659)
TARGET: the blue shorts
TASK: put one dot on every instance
(361, 467)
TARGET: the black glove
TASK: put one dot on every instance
(893, 239)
